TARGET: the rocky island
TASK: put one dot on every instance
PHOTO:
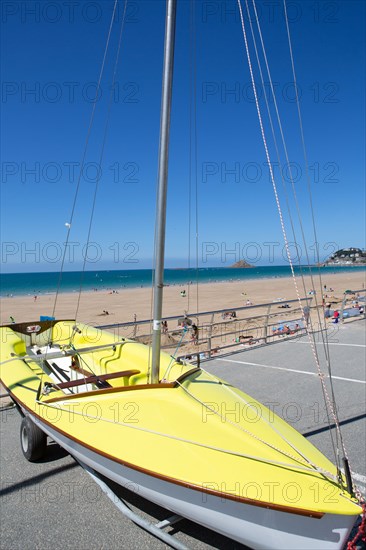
(241, 264)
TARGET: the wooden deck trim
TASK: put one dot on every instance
(110, 390)
(186, 374)
(94, 378)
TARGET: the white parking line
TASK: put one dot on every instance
(330, 344)
(360, 478)
(290, 370)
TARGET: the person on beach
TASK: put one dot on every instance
(194, 336)
(164, 324)
(327, 311)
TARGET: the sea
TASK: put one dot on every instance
(22, 284)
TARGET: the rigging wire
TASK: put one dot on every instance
(101, 156)
(196, 167)
(173, 355)
(193, 157)
(310, 332)
(91, 122)
(82, 163)
(326, 346)
(266, 149)
(282, 138)
(274, 186)
(192, 60)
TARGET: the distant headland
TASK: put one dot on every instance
(347, 257)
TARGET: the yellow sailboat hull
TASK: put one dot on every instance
(191, 443)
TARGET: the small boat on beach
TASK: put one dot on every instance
(183, 438)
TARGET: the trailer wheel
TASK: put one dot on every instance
(32, 440)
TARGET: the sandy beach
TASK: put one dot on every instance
(123, 304)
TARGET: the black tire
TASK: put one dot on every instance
(32, 440)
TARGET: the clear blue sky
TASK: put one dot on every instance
(51, 57)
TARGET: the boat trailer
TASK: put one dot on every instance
(156, 529)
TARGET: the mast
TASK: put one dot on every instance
(160, 220)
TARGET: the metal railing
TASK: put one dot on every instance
(223, 330)
(358, 303)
